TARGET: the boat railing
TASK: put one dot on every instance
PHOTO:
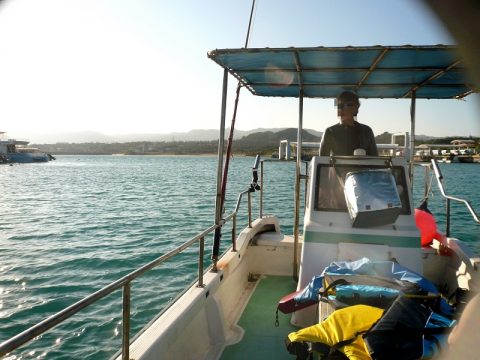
(393, 149)
(233, 216)
(125, 283)
(449, 198)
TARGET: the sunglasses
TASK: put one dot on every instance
(345, 105)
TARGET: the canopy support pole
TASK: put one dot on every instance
(412, 135)
(297, 186)
(219, 206)
(218, 200)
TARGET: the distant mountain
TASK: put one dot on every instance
(192, 135)
(65, 137)
(93, 137)
(264, 142)
(425, 137)
(256, 142)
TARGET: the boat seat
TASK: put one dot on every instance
(272, 238)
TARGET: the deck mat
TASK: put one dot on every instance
(262, 340)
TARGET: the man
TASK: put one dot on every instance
(348, 135)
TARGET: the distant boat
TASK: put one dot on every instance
(465, 159)
(17, 151)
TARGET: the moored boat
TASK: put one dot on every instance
(465, 159)
(17, 151)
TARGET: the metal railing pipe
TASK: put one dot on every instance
(201, 252)
(220, 194)
(447, 215)
(239, 200)
(234, 233)
(298, 169)
(261, 189)
(249, 197)
(413, 104)
(126, 322)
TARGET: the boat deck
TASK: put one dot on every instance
(262, 340)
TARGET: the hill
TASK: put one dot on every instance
(96, 137)
(262, 142)
(268, 141)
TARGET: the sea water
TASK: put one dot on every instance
(71, 226)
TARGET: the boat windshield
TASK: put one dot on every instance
(329, 195)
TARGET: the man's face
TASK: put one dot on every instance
(347, 107)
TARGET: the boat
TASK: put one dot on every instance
(226, 313)
(458, 151)
(229, 312)
(467, 159)
(18, 151)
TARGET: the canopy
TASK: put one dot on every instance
(433, 72)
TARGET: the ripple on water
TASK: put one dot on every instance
(72, 226)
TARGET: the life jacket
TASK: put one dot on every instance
(378, 291)
(387, 274)
(340, 331)
(342, 290)
(408, 330)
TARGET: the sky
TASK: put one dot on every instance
(141, 66)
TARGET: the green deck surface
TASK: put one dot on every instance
(262, 340)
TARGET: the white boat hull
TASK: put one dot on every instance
(203, 321)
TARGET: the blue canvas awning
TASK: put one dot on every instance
(433, 72)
